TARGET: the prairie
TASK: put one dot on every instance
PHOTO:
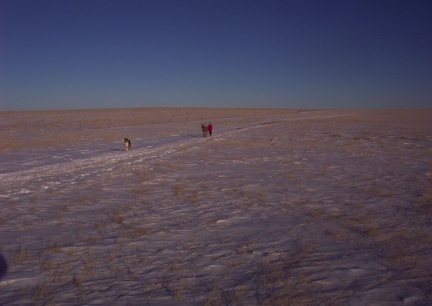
(278, 207)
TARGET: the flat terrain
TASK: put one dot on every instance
(278, 207)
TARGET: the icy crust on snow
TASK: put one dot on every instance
(305, 208)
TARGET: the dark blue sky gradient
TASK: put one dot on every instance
(296, 54)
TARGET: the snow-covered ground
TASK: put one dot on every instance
(278, 207)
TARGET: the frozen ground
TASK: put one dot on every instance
(277, 208)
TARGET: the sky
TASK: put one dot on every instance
(224, 53)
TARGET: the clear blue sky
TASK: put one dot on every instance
(66, 54)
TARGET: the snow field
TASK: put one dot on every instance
(323, 207)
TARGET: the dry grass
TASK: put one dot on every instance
(22, 255)
(115, 216)
(107, 125)
(268, 282)
(132, 249)
(42, 293)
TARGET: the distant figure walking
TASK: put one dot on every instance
(204, 129)
(210, 128)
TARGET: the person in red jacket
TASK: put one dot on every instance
(210, 128)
